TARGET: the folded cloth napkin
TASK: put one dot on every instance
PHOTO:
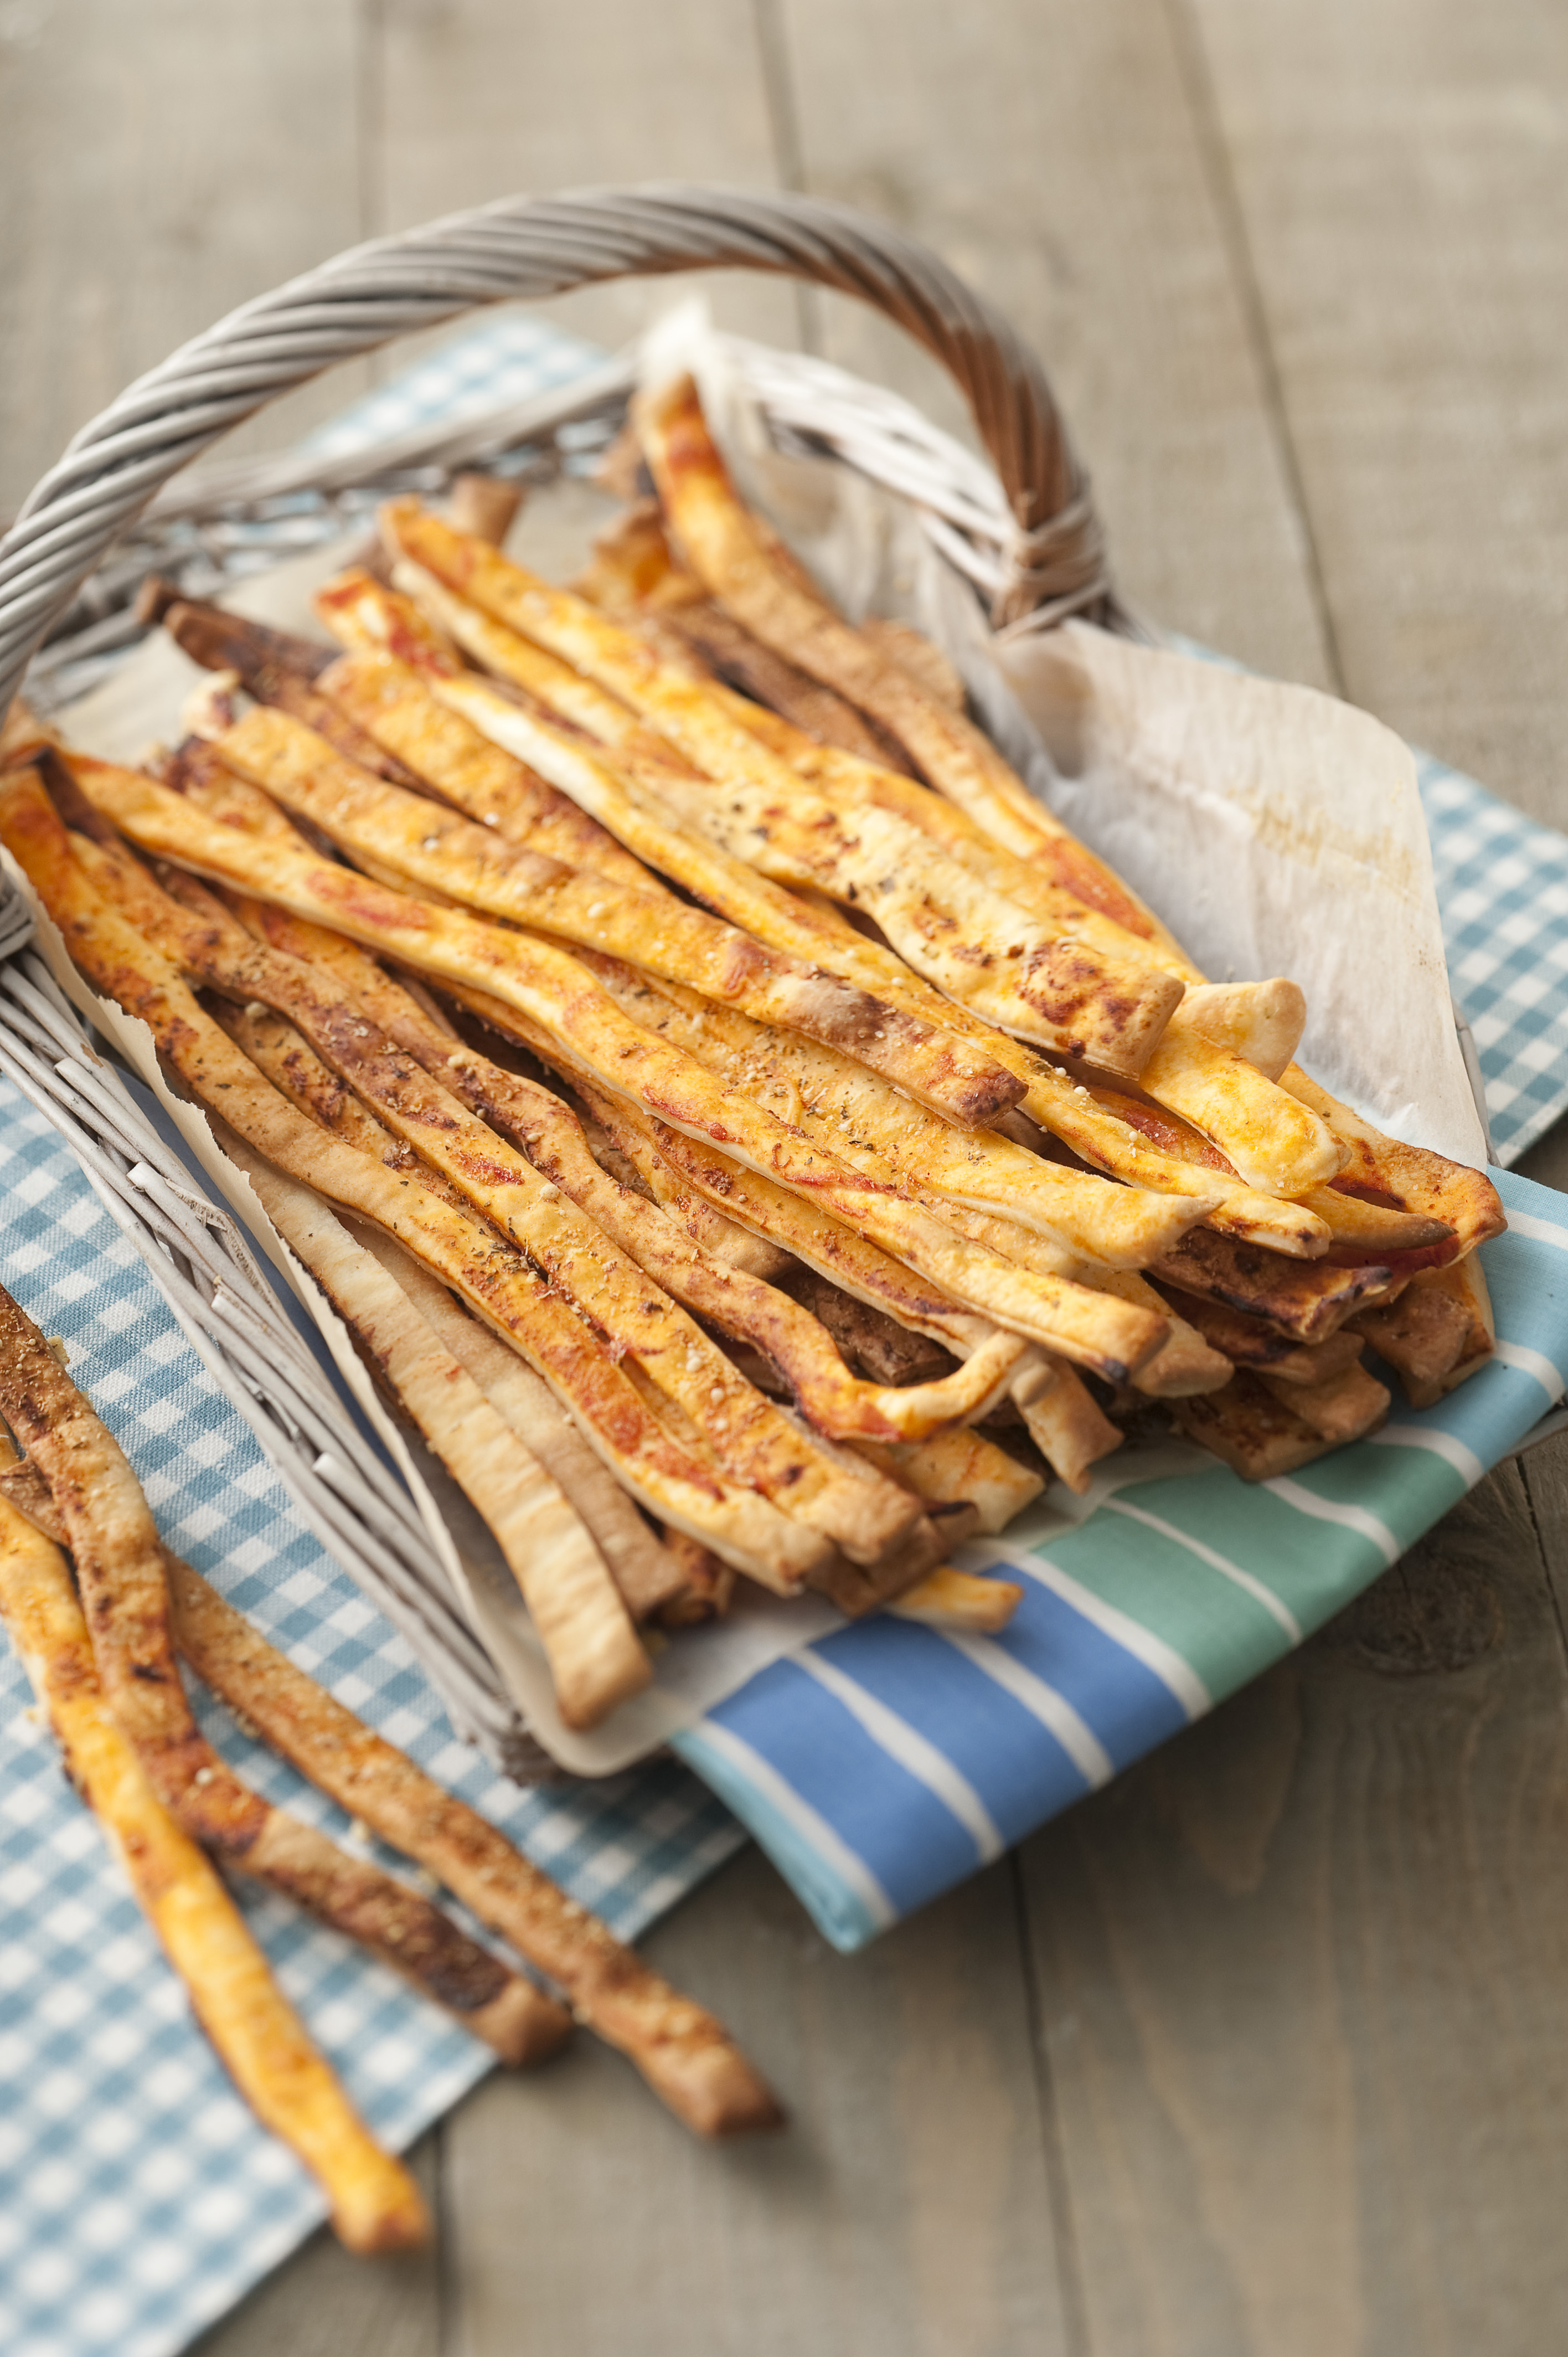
(878, 1766)
(884, 1763)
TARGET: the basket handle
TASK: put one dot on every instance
(534, 247)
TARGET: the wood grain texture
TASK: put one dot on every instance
(480, 98)
(1049, 152)
(1403, 170)
(1302, 1984)
(141, 198)
(905, 2213)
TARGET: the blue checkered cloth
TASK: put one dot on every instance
(1502, 892)
(878, 1766)
(138, 2197)
(509, 357)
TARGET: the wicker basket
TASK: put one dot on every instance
(100, 519)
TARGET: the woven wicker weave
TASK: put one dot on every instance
(102, 518)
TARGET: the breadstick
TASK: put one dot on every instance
(259, 2040)
(679, 2048)
(946, 1598)
(595, 1659)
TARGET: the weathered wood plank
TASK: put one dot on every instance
(480, 98)
(1545, 1474)
(1402, 171)
(1547, 1161)
(1049, 152)
(906, 2212)
(324, 2303)
(142, 194)
(1302, 1982)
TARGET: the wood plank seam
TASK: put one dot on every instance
(782, 101)
(1058, 2181)
(1214, 156)
(1556, 1450)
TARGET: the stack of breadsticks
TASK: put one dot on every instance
(746, 1132)
(104, 1653)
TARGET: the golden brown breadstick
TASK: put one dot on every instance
(218, 1809)
(263, 2044)
(680, 2050)
(946, 1598)
(594, 1659)
(495, 1279)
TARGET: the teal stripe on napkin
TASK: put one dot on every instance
(1191, 1579)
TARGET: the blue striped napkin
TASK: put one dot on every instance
(881, 1765)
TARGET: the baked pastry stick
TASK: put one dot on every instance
(259, 2040)
(383, 694)
(650, 1575)
(1071, 984)
(747, 1435)
(1060, 972)
(1303, 1300)
(742, 563)
(633, 571)
(854, 1114)
(218, 1809)
(1419, 1181)
(745, 567)
(560, 996)
(414, 702)
(494, 1280)
(679, 2048)
(1139, 1143)
(1074, 1431)
(1438, 1332)
(1062, 1417)
(745, 1307)
(1194, 1070)
(596, 1663)
(417, 839)
(1264, 1429)
(433, 1361)
(1221, 1048)
(965, 1600)
(690, 728)
(966, 1467)
(471, 773)
(492, 786)
(1352, 1225)
(894, 1543)
(562, 870)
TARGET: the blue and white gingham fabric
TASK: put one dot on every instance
(878, 1766)
(509, 357)
(138, 2198)
(1502, 891)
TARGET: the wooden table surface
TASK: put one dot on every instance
(1265, 2049)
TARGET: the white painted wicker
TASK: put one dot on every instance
(111, 512)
